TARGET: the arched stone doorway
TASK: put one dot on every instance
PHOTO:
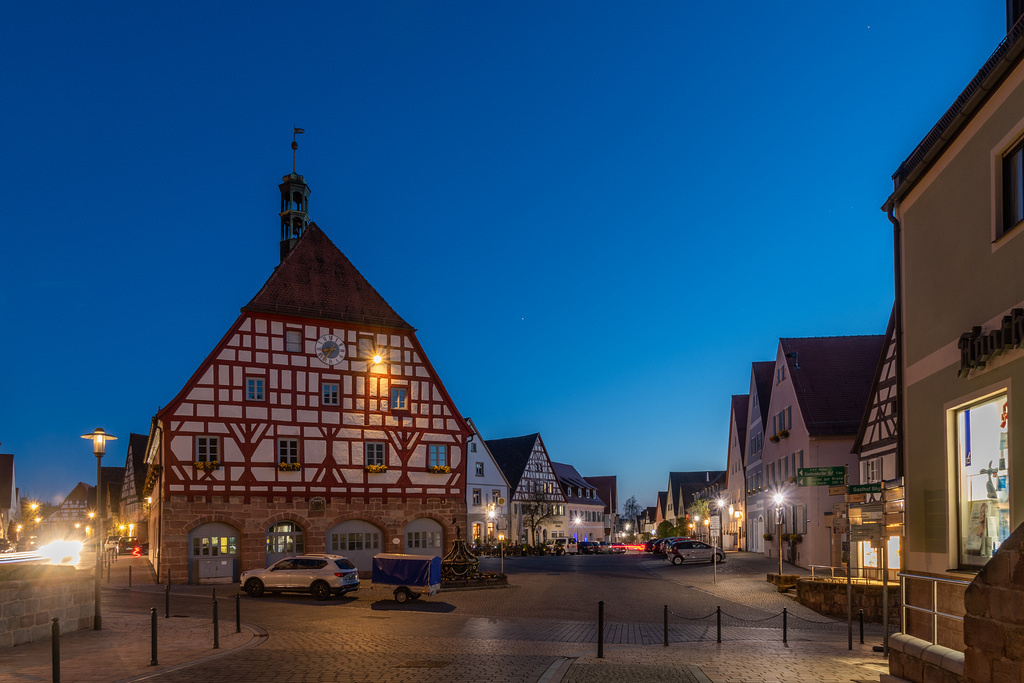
(424, 537)
(358, 541)
(285, 539)
(213, 550)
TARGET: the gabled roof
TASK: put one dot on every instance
(570, 479)
(764, 375)
(682, 486)
(662, 503)
(608, 488)
(316, 280)
(740, 404)
(137, 444)
(512, 454)
(832, 379)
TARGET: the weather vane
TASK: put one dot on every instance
(295, 145)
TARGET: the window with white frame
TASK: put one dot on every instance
(479, 469)
(982, 439)
(472, 447)
(476, 497)
(293, 341)
(288, 451)
(331, 392)
(495, 494)
(399, 396)
(254, 388)
(438, 455)
(375, 453)
(207, 449)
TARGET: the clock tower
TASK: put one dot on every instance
(294, 206)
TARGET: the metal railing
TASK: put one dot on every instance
(859, 575)
(933, 610)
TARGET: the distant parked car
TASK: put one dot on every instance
(604, 547)
(619, 548)
(588, 548)
(695, 551)
(113, 543)
(320, 575)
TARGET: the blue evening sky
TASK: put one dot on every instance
(597, 214)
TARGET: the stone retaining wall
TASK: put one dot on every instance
(829, 598)
(26, 608)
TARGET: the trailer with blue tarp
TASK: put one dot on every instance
(406, 576)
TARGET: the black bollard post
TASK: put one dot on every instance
(784, 619)
(108, 571)
(214, 605)
(129, 576)
(718, 612)
(216, 631)
(167, 600)
(152, 627)
(600, 630)
(861, 627)
(238, 613)
(666, 625)
(55, 645)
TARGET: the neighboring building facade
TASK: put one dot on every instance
(525, 463)
(134, 511)
(487, 499)
(316, 424)
(10, 505)
(608, 491)
(757, 514)
(820, 389)
(960, 325)
(683, 488)
(734, 493)
(585, 511)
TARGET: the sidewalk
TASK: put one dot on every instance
(122, 650)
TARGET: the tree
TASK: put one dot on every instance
(537, 510)
(631, 511)
(701, 509)
(665, 529)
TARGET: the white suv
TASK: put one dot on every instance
(321, 575)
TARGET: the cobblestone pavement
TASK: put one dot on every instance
(543, 628)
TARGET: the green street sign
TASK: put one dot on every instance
(864, 488)
(821, 476)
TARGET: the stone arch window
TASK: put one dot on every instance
(285, 539)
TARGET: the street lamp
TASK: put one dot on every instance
(721, 529)
(576, 523)
(778, 528)
(99, 447)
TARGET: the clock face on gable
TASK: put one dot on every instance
(330, 349)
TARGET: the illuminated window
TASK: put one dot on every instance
(476, 496)
(984, 508)
(286, 537)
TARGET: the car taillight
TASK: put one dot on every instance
(339, 574)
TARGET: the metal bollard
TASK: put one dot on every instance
(215, 605)
(108, 572)
(216, 631)
(238, 613)
(666, 625)
(600, 629)
(129, 576)
(785, 615)
(861, 615)
(152, 626)
(55, 645)
(718, 611)
(167, 600)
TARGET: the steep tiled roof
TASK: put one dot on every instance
(512, 454)
(764, 373)
(608, 488)
(740, 403)
(832, 379)
(137, 452)
(569, 478)
(682, 486)
(316, 280)
(662, 503)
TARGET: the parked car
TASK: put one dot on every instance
(588, 548)
(649, 545)
(695, 551)
(567, 545)
(604, 547)
(619, 548)
(113, 542)
(320, 575)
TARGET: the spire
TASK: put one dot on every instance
(294, 204)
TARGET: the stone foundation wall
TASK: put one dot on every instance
(829, 597)
(181, 514)
(918, 661)
(26, 608)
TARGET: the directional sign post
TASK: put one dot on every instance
(821, 476)
(854, 489)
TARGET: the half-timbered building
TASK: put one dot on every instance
(134, 512)
(538, 505)
(733, 498)
(316, 424)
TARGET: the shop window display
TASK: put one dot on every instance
(984, 497)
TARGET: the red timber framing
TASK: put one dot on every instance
(276, 425)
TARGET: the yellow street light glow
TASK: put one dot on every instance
(34, 506)
(91, 515)
(721, 503)
(377, 358)
(38, 519)
(778, 499)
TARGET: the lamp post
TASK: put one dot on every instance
(721, 529)
(696, 525)
(778, 528)
(576, 523)
(99, 447)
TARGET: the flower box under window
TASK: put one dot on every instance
(440, 469)
(289, 466)
(207, 466)
(376, 469)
